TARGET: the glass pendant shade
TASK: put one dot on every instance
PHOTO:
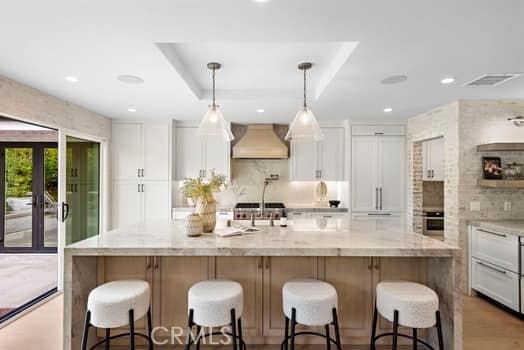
(214, 124)
(304, 127)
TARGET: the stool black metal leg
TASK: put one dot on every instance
(293, 325)
(415, 338)
(240, 336)
(328, 337)
(337, 331)
(439, 332)
(85, 335)
(198, 337)
(234, 329)
(286, 334)
(395, 330)
(374, 329)
(131, 329)
(108, 335)
(189, 329)
(150, 328)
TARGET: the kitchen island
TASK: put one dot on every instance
(354, 257)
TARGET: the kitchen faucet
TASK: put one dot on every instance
(267, 180)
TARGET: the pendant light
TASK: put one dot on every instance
(213, 123)
(305, 126)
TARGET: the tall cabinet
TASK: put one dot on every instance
(378, 167)
(141, 172)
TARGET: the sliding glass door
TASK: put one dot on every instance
(81, 210)
(28, 197)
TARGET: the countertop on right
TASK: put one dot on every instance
(511, 227)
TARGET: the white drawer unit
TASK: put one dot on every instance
(497, 283)
(496, 248)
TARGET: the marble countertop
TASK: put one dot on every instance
(352, 237)
(510, 227)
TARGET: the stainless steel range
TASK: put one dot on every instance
(242, 211)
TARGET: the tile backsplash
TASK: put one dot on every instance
(247, 180)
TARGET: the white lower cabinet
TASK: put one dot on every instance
(497, 283)
(137, 201)
(497, 248)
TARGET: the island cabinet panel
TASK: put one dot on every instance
(402, 269)
(352, 277)
(248, 272)
(172, 278)
(277, 271)
(113, 268)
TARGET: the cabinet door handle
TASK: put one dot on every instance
(155, 262)
(148, 262)
(377, 264)
(380, 190)
(491, 267)
(267, 262)
(260, 262)
(492, 233)
(142, 188)
(376, 198)
(138, 188)
(142, 172)
(138, 172)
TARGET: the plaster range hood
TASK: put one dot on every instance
(259, 141)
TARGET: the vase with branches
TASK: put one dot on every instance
(201, 190)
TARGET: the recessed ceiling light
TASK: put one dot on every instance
(71, 79)
(132, 110)
(447, 80)
(130, 79)
(388, 109)
(260, 110)
(394, 79)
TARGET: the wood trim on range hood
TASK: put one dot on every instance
(260, 142)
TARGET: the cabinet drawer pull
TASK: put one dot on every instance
(327, 216)
(379, 214)
(491, 267)
(492, 233)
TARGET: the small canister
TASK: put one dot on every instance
(193, 225)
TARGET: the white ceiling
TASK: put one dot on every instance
(259, 45)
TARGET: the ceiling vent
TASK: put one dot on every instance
(492, 79)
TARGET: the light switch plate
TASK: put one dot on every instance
(507, 206)
(474, 206)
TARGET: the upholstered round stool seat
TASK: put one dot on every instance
(313, 301)
(213, 300)
(416, 304)
(110, 303)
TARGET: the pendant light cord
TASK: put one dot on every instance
(305, 105)
(214, 105)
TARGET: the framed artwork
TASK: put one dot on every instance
(492, 168)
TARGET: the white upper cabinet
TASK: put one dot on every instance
(141, 151)
(378, 168)
(324, 160)
(127, 151)
(433, 154)
(195, 155)
(304, 161)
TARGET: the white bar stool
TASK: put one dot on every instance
(116, 304)
(311, 303)
(215, 303)
(410, 305)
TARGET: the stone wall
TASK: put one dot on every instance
(464, 125)
(439, 122)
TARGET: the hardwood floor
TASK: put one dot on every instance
(486, 327)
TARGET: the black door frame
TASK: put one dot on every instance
(38, 200)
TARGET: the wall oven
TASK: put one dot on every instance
(433, 223)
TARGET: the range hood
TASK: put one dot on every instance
(260, 141)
